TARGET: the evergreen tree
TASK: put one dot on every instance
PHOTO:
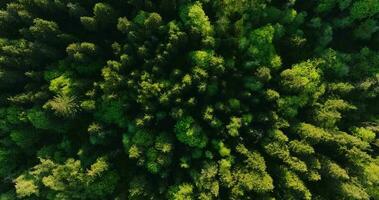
(204, 99)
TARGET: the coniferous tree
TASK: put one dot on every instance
(204, 99)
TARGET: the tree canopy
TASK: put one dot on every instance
(189, 99)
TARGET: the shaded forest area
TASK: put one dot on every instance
(182, 99)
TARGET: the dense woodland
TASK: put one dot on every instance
(182, 100)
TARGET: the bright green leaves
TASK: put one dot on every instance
(302, 78)
(177, 37)
(181, 192)
(190, 133)
(338, 141)
(233, 126)
(333, 170)
(111, 75)
(97, 134)
(153, 21)
(88, 105)
(62, 85)
(25, 187)
(311, 133)
(195, 18)
(68, 180)
(371, 172)
(81, 52)
(329, 113)
(340, 88)
(123, 25)
(16, 54)
(272, 95)
(293, 187)
(264, 74)
(304, 81)
(222, 148)
(207, 182)
(301, 147)
(88, 23)
(152, 152)
(104, 16)
(365, 134)
(140, 18)
(207, 99)
(44, 30)
(353, 191)
(210, 117)
(64, 106)
(104, 13)
(259, 47)
(248, 176)
(276, 145)
(207, 60)
(261, 37)
(148, 88)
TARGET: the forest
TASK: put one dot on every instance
(189, 99)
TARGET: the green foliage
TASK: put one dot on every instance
(205, 99)
(81, 51)
(302, 78)
(38, 118)
(68, 180)
(258, 45)
(195, 18)
(24, 138)
(153, 21)
(153, 152)
(44, 30)
(25, 187)
(366, 29)
(365, 134)
(62, 85)
(111, 111)
(6, 157)
(207, 61)
(181, 192)
(64, 106)
(207, 183)
(189, 133)
(123, 25)
(89, 23)
(233, 126)
(104, 14)
(329, 113)
(364, 8)
(293, 185)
